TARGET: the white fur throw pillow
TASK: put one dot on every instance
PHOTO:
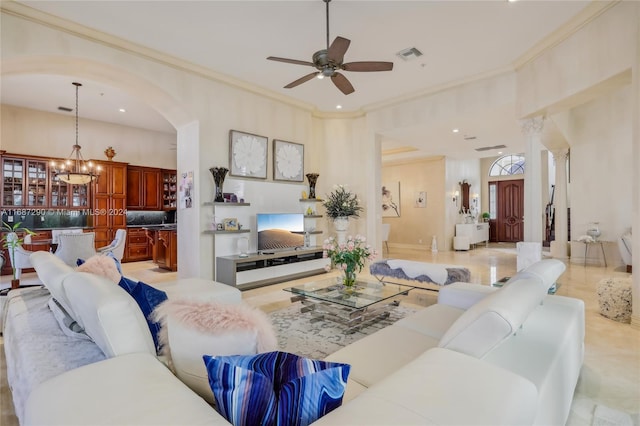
(216, 319)
(101, 265)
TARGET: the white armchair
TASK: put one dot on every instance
(624, 245)
(19, 257)
(117, 245)
(72, 247)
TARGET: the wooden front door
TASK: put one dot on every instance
(510, 214)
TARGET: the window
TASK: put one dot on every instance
(507, 165)
(493, 207)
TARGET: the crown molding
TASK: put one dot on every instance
(587, 15)
(412, 160)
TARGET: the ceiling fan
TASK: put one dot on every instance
(328, 61)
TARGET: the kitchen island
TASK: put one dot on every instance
(164, 245)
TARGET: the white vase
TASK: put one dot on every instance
(341, 223)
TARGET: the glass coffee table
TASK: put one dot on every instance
(367, 302)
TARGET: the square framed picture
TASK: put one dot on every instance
(247, 155)
(230, 224)
(288, 161)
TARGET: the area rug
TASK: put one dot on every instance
(297, 334)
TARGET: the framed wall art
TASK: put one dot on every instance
(230, 224)
(391, 200)
(288, 161)
(247, 155)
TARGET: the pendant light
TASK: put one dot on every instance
(75, 170)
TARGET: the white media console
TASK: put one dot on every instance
(258, 270)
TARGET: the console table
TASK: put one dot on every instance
(474, 233)
(257, 270)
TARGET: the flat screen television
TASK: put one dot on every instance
(279, 231)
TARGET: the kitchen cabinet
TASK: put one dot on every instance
(109, 204)
(169, 189)
(24, 182)
(137, 247)
(143, 188)
(29, 182)
(164, 247)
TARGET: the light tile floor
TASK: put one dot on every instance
(611, 371)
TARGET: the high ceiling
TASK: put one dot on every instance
(459, 40)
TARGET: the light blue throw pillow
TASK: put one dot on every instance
(275, 388)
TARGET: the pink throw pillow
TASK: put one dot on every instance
(101, 265)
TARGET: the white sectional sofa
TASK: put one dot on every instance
(508, 356)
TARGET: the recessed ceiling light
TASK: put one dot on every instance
(456, 130)
(122, 110)
(320, 76)
(338, 106)
(499, 152)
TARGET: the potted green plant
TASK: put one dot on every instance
(486, 216)
(11, 244)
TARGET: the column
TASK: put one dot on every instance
(635, 186)
(532, 131)
(559, 246)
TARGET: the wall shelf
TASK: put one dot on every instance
(239, 231)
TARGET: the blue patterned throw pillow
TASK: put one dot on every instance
(275, 388)
(147, 298)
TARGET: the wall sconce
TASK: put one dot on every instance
(475, 199)
(456, 194)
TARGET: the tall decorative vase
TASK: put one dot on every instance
(219, 174)
(341, 224)
(313, 178)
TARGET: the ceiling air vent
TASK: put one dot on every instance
(65, 109)
(409, 54)
(469, 138)
(489, 148)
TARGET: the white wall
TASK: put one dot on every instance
(601, 167)
(27, 131)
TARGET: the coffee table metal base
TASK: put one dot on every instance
(353, 319)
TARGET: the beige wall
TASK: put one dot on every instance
(26, 131)
(416, 226)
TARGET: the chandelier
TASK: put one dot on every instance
(75, 170)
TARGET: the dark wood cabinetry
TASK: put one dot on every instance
(169, 190)
(29, 182)
(164, 247)
(143, 188)
(137, 247)
(109, 206)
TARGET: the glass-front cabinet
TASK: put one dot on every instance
(12, 181)
(63, 194)
(36, 183)
(30, 182)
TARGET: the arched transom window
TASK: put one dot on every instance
(507, 165)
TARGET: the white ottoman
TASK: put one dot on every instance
(614, 298)
(200, 290)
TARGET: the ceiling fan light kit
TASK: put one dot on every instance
(331, 60)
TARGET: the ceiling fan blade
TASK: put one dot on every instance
(342, 83)
(290, 61)
(301, 80)
(368, 66)
(337, 49)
